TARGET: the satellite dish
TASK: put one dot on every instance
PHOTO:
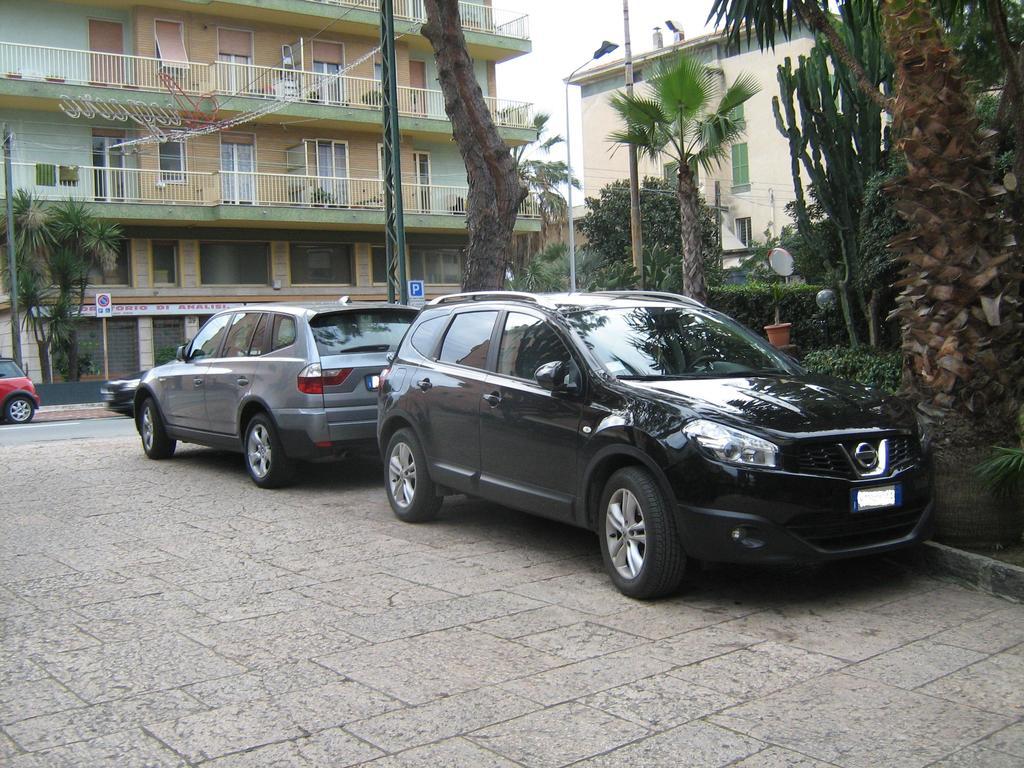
(781, 261)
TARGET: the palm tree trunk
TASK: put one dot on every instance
(960, 302)
(495, 189)
(689, 230)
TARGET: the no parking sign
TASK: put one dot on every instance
(103, 305)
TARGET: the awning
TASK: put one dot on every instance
(234, 42)
(170, 45)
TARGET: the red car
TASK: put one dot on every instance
(17, 394)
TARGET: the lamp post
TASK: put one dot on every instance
(606, 48)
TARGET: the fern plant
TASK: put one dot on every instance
(1003, 470)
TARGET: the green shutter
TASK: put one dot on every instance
(740, 165)
(737, 114)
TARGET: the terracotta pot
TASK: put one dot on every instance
(778, 334)
(967, 514)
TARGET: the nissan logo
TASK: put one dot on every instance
(866, 455)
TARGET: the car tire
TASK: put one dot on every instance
(639, 542)
(406, 474)
(19, 410)
(265, 458)
(156, 443)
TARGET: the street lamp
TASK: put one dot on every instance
(606, 48)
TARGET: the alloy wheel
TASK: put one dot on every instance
(402, 475)
(147, 427)
(20, 411)
(258, 451)
(627, 538)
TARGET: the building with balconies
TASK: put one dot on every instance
(285, 200)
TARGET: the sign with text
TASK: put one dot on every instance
(417, 293)
(148, 310)
(103, 305)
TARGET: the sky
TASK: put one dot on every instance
(565, 34)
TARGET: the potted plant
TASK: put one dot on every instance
(778, 332)
(1001, 473)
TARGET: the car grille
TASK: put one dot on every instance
(824, 460)
(857, 529)
(830, 459)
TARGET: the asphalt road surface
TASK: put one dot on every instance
(44, 431)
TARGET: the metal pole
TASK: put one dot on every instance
(634, 176)
(394, 219)
(106, 354)
(572, 225)
(12, 264)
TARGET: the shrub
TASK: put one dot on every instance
(865, 366)
(754, 305)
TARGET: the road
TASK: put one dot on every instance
(44, 431)
(171, 614)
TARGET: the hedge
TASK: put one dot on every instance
(864, 365)
(752, 305)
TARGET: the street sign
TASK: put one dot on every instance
(103, 305)
(417, 293)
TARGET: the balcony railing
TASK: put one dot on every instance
(239, 188)
(476, 17)
(140, 73)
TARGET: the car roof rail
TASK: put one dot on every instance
(455, 298)
(662, 295)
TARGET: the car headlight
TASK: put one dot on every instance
(731, 445)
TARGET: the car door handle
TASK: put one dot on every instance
(197, 382)
(492, 399)
(424, 384)
(241, 381)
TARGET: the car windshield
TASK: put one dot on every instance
(659, 342)
(370, 330)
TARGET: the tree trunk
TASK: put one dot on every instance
(44, 361)
(820, 22)
(495, 189)
(960, 306)
(689, 226)
(871, 313)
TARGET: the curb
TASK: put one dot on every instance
(983, 573)
(69, 407)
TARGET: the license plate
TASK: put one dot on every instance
(877, 498)
(373, 383)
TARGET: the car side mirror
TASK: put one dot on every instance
(557, 377)
(390, 357)
(180, 353)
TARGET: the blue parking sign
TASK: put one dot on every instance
(416, 290)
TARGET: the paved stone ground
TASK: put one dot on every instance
(172, 614)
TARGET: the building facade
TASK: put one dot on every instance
(284, 201)
(752, 188)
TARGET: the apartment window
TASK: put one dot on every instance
(165, 262)
(234, 263)
(738, 114)
(321, 263)
(379, 259)
(740, 168)
(234, 50)
(436, 265)
(170, 42)
(743, 231)
(172, 162)
(117, 273)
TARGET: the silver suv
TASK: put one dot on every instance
(276, 382)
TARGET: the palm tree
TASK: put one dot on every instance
(682, 117)
(544, 178)
(57, 246)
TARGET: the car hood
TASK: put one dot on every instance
(790, 405)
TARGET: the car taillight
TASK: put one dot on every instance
(312, 379)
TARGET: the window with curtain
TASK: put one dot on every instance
(321, 263)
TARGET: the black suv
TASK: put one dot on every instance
(664, 426)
